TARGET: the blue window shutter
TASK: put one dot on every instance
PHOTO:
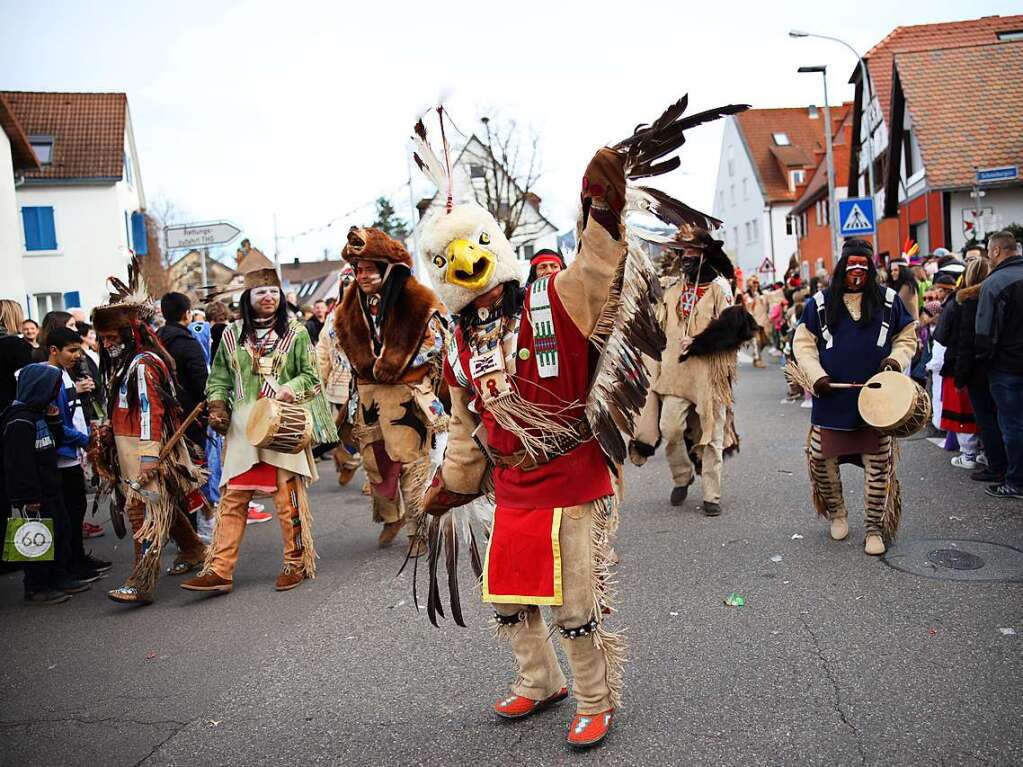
(140, 242)
(30, 220)
(73, 300)
(40, 232)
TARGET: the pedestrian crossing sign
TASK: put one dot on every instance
(856, 216)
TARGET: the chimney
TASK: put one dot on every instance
(533, 199)
(296, 260)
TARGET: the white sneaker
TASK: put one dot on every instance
(962, 462)
(806, 404)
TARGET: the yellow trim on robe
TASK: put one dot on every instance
(517, 599)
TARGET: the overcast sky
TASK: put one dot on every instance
(245, 109)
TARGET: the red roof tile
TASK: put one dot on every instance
(967, 109)
(817, 187)
(87, 131)
(21, 151)
(806, 134)
(925, 37)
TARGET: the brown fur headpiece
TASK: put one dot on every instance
(368, 244)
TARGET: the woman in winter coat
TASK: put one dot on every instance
(967, 373)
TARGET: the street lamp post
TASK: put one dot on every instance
(832, 212)
(870, 100)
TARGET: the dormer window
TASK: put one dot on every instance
(781, 139)
(42, 145)
(476, 171)
(813, 112)
(1011, 35)
(797, 177)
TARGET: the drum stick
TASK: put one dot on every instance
(176, 437)
(873, 385)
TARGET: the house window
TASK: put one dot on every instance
(476, 171)
(788, 225)
(798, 177)
(745, 189)
(49, 302)
(814, 112)
(721, 199)
(42, 145)
(735, 236)
(817, 212)
(527, 252)
(40, 232)
(755, 228)
(1011, 35)
(731, 193)
(826, 212)
(731, 161)
(781, 139)
(907, 152)
(129, 175)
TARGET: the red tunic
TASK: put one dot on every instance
(574, 478)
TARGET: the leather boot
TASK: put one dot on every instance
(289, 578)
(209, 582)
(389, 533)
(874, 545)
(839, 528)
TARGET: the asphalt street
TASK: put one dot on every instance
(836, 658)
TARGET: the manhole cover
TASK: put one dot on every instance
(956, 560)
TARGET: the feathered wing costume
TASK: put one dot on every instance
(144, 417)
(535, 378)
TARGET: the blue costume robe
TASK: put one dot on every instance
(851, 354)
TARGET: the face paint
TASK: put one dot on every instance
(367, 274)
(265, 300)
(855, 273)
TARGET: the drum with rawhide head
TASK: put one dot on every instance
(281, 426)
(894, 404)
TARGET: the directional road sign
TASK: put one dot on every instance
(1004, 173)
(856, 216)
(199, 235)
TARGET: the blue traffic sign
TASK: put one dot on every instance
(856, 216)
(1005, 173)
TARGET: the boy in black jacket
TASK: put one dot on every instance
(32, 429)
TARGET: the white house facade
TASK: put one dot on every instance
(80, 215)
(767, 156)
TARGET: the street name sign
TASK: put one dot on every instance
(200, 235)
(856, 216)
(1004, 173)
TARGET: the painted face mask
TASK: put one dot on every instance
(257, 294)
(856, 273)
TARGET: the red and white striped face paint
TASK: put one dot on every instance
(856, 271)
(265, 300)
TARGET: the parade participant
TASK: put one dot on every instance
(130, 453)
(389, 327)
(756, 304)
(263, 355)
(904, 283)
(850, 332)
(545, 263)
(336, 374)
(531, 399)
(692, 388)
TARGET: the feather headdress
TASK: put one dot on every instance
(129, 301)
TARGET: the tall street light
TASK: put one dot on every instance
(870, 100)
(832, 213)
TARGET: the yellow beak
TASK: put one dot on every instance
(469, 265)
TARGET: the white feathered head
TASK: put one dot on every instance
(466, 254)
(464, 248)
